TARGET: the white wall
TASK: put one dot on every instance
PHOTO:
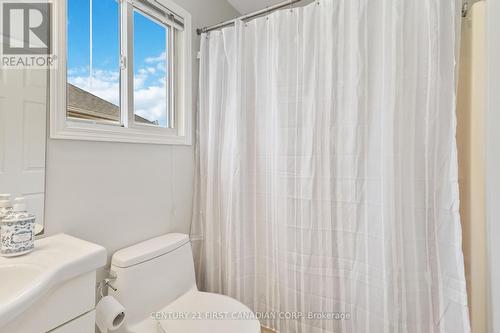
(117, 194)
(493, 161)
(249, 6)
(245, 6)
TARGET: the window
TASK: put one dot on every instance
(151, 71)
(124, 73)
(93, 60)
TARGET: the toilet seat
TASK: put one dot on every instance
(197, 312)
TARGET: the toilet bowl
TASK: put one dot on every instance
(155, 282)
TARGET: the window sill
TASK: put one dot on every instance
(75, 130)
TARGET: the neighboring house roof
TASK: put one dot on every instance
(84, 105)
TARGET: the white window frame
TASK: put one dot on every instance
(62, 127)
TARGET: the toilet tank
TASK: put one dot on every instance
(152, 274)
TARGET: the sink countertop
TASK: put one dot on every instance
(55, 260)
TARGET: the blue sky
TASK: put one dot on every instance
(149, 56)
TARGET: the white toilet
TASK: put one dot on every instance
(155, 282)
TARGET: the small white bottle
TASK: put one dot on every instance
(17, 231)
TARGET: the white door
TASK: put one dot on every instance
(23, 119)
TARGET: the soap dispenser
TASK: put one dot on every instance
(17, 231)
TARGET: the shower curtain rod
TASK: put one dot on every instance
(247, 17)
(267, 10)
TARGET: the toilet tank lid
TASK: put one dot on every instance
(148, 250)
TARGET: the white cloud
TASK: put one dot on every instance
(161, 58)
(151, 102)
(104, 84)
(161, 66)
(78, 71)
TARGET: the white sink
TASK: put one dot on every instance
(17, 278)
(31, 278)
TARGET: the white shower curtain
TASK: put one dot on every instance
(327, 169)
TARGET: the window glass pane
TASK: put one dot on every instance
(150, 71)
(93, 60)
